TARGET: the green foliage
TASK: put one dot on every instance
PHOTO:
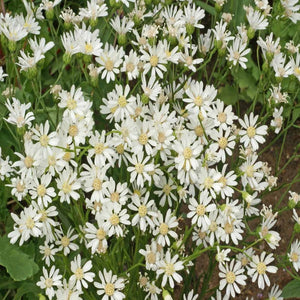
(18, 264)
(291, 290)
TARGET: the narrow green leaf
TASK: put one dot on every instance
(211, 10)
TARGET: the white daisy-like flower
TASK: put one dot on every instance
(251, 134)
(237, 52)
(198, 210)
(258, 269)
(165, 228)
(67, 183)
(275, 293)
(224, 142)
(294, 255)
(169, 267)
(17, 113)
(277, 119)
(80, 273)
(152, 255)
(48, 252)
(65, 242)
(110, 286)
(145, 213)
(49, 280)
(115, 218)
(232, 276)
(41, 190)
(140, 169)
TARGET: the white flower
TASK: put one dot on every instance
(169, 267)
(65, 242)
(17, 113)
(294, 255)
(198, 210)
(145, 212)
(164, 227)
(256, 20)
(2, 74)
(237, 53)
(94, 10)
(152, 255)
(41, 191)
(259, 267)
(49, 280)
(80, 273)
(68, 183)
(48, 252)
(115, 218)
(139, 171)
(278, 119)
(251, 134)
(110, 286)
(232, 276)
(275, 293)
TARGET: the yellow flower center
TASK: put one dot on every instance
(79, 274)
(109, 65)
(223, 142)
(73, 130)
(169, 269)
(261, 268)
(129, 67)
(97, 184)
(143, 139)
(99, 148)
(249, 171)
(142, 210)
(41, 190)
(139, 168)
(20, 187)
(114, 220)
(228, 228)
(198, 101)
(223, 180)
(29, 223)
(153, 60)
(230, 277)
(199, 131)
(44, 140)
(66, 187)
(51, 160)
(65, 241)
(189, 60)
(294, 257)
(200, 210)
(122, 101)
(213, 226)
(161, 137)
(47, 251)
(167, 189)
(120, 149)
(222, 117)
(187, 153)
(151, 258)
(88, 48)
(28, 162)
(71, 104)
(163, 229)
(109, 289)
(48, 282)
(101, 234)
(114, 197)
(208, 182)
(251, 131)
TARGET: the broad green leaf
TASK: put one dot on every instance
(228, 94)
(291, 290)
(19, 265)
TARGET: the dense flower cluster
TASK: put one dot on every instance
(170, 145)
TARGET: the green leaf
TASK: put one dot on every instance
(228, 94)
(211, 10)
(27, 288)
(19, 265)
(291, 290)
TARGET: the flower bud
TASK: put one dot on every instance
(297, 228)
(251, 33)
(190, 28)
(166, 295)
(122, 39)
